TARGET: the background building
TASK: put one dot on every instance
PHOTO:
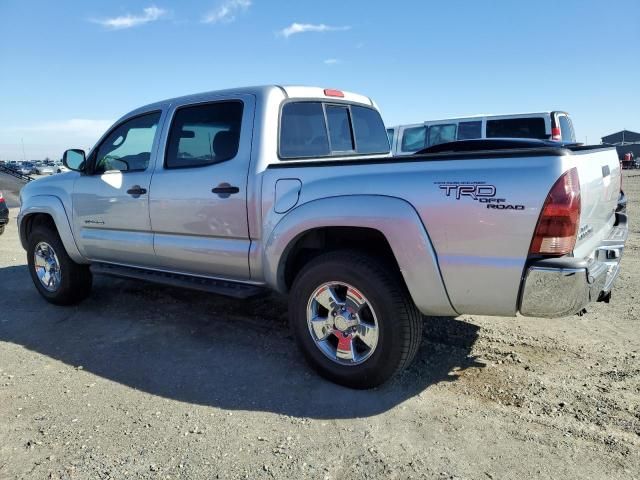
(624, 141)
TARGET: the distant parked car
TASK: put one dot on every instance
(4, 214)
(46, 170)
(27, 168)
(60, 168)
(629, 161)
(408, 139)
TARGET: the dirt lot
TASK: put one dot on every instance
(143, 381)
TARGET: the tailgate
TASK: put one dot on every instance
(600, 177)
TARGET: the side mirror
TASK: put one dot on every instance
(74, 159)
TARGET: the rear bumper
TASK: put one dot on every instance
(557, 287)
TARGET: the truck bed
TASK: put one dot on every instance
(479, 208)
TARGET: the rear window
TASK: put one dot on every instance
(470, 130)
(533, 127)
(339, 129)
(414, 139)
(316, 129)
(370, 134)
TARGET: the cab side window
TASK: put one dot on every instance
(414, 139)
(470, 130)
(128, 147)
(204, 134)
(442, 134)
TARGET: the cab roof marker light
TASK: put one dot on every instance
(329, 92)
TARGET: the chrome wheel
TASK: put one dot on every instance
(47, 266)
(342, 323)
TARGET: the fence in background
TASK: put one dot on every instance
(15, 173)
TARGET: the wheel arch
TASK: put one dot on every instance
(388, 226)
(48, 209)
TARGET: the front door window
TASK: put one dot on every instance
(128, 147)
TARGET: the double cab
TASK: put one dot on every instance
(294, 189)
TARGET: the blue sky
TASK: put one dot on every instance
(69, 68)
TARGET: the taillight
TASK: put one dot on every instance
(330, 92)
(556, 134)
(1, 198)
(558, 223)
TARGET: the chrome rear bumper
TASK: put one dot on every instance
(557, 287)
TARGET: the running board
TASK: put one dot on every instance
(220, 287)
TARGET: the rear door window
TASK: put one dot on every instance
(531, 127)
(414, 139)
(470, 130)
(204, 134)
(566, 129)
(441, 134)
(316, 129)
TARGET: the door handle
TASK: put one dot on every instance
(136, 191)
(224, 190)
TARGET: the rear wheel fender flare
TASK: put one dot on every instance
(395, 218)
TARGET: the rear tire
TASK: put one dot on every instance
(349, 275)
(64, 282)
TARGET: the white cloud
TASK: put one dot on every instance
(332, 61)
(296, 28)
(226, 12)
(149, 14)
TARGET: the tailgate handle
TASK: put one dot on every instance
(606, 171)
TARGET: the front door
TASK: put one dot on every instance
(198, 201)
(111, 201)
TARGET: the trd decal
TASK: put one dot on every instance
(481, 192)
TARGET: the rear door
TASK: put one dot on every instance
(198, 201)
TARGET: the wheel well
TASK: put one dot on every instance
(321, 240)
(36, 219)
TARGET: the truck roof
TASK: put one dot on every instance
(261, 91)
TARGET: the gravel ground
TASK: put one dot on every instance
(142, 381)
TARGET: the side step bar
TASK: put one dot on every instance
(220, 287)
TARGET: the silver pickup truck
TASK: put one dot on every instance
(294, 189)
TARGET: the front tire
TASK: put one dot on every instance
(354, 319)
(57, 278)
